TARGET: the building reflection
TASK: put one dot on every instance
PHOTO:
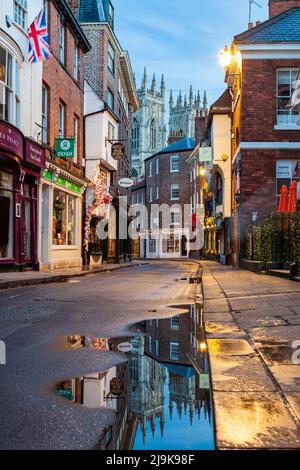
(166, 379)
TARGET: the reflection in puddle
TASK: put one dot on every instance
(161, 395)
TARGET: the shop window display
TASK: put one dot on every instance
(6, 215)
(64, 219)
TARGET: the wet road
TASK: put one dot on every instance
(31, 321)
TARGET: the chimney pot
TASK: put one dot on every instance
(250, 25)
(258, 23)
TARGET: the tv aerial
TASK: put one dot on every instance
(251, 3)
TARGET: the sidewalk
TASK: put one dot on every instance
(251, 323)
(29, 278)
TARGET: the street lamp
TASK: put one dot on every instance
(225, 57)
(202, 171)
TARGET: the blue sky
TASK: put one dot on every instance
(182, 38)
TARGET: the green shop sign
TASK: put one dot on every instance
(68, 185)
(65, 148)
(48, 175)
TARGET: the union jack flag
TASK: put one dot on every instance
(39, 48)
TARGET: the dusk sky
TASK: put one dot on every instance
(182, 38)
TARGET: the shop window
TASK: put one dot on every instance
(174, 351)
(26, 214)
(152, 245)
(285, 79)
(6, 215)
(170, 245)
(20, 13)
(64, 219)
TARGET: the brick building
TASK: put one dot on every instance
(108, 74)
(265, 135)
(167, 183)
(63, 184)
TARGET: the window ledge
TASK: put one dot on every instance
(64, 247)
(287, 127)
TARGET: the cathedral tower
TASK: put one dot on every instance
(149, 129)
(183, 114)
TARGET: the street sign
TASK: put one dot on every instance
(65, 148)
(118, 151)
(204, 383)
(116, 387)
(125, 347)
(205, 154)
(126, 182)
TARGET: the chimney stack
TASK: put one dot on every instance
(279, 6)
(250, 25)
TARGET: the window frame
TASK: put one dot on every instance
(21, 13)
(45, 114)
(279, 97)
(62, 129)
(76, 62)
(172, 189)
(157, 166)
(177, 168)
(110, 99)
(10, 89)
(150, 169)
(111, 58)
(62, 43)
(177, 358)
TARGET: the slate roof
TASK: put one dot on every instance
(91, 11)
(223, 104)
(180, 146)
(281, 28)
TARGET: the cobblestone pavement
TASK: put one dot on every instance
(252, 324)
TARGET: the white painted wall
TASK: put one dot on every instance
(221, 145)
(15, 40)
(96, 128)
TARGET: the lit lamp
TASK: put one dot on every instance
(226, 57)
(202, 171)
(203, 346)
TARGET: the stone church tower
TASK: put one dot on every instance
(149, 129)
(183, 114)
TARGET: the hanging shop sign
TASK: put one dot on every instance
(118, 151)
(126, 182)
(116, 387)
(205, 154)
(125, 347)
(11, 139)
(65, 148)
(35, 154)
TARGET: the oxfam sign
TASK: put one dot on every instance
(65, 148)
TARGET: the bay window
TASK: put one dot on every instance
(9, 88)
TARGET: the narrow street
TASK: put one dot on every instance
(32, 319)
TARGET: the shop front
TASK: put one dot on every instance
(60, 228)
(21, 163)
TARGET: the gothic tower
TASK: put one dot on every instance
(183, 114)
(149, 129)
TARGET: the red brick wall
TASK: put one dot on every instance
(258, 180)
(278, 6)
(258, 104)
(62, 86)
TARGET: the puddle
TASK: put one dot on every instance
(161, 394)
